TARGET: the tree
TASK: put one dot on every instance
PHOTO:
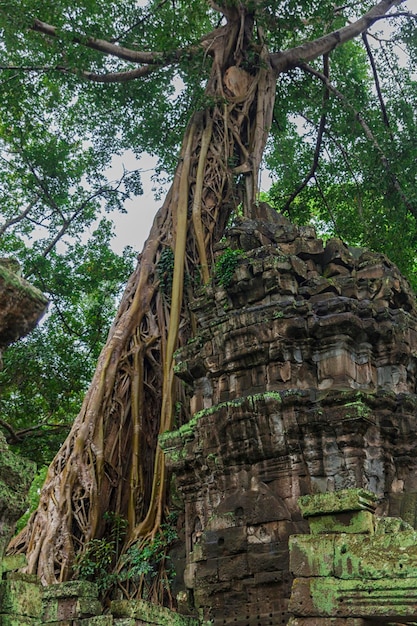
(60, 191)
(39, 402)
(122, 65)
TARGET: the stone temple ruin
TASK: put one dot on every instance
(303, 381)
(301, 450)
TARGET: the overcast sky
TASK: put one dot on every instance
(132, 228)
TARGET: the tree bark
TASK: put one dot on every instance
(111, 460)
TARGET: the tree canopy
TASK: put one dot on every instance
(140, 69)
(325, 95)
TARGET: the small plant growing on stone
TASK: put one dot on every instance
(165, 271)
(226, 265)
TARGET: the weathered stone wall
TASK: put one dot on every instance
(302, 379)
(24, 602)
(354, 568)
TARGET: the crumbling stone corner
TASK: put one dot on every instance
(355, 568)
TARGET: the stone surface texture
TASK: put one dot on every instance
(349, 573)
(302, 380)
(21, 305)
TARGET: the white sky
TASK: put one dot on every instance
(132, 228)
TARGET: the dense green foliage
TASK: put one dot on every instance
(363, 187)
(45, 376)
(54, 197)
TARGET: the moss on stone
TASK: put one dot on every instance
(71, 589)
(186, 432)
(18, 597)
(148, 612)
(337, 502)
(357, 522)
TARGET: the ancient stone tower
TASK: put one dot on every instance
(302, 380)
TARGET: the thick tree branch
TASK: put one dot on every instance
(117, 77)
(101, 45)
(110, 77)
(295, 57)
(19, 217)
(13, 435)
(17, 436)
(149, 60)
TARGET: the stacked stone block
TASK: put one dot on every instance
(354, 568)
(302, 379)
(141, 613)
(20, 600)
(74, 603)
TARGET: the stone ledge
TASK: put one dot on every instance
(337, 502)
(21, 306)
(150, 613)
(393, 600)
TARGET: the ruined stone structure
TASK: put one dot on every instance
(302, 379)
(354, 569)
(21, 304)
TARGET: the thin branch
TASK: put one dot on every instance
(392, 69)
(295, 57)
(368, 133)
(34, 430)
(68, 221)
(377, 83)
(143, 19)
(319, 139)
(31, 68)
(329, 210)
(19, 217)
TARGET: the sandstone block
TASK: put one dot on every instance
(18, 597)
(392, 600)
(150, 613)
(310, 557)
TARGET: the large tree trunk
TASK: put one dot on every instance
(111, 460)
